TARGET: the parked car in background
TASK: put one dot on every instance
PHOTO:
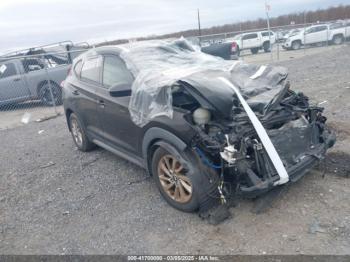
(289, 33)
(31, 78)
(253, 41)
(215, 47)
(280, 35)
(36, 73)
(224, 50)
(334, 33)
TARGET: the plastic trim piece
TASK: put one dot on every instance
(260, 130)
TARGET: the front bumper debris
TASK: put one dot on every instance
(295, 172)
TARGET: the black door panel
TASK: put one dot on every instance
(118, 128)
(85, 106)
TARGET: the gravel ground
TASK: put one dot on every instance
(57, 200)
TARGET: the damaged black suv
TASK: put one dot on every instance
(206, 129)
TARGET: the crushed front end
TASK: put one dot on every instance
(247, 123)
(232, 146)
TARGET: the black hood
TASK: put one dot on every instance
(260, 92)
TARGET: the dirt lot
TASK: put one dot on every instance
(57, 200)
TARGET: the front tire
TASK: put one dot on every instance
(267, 47)
(296, 45)
(79, 135)
(179, 180)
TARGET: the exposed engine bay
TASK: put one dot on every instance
(231, 145)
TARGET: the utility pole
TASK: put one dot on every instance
(267, 9)
(304, 15)
(199, 26)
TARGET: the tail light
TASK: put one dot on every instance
(234, 47)
(62, 84)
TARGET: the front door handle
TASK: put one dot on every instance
(75, 92)
(16, 79)
(101, 103)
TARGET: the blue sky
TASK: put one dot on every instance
(26, 23)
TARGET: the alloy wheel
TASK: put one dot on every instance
(173, 179)
(77, 133)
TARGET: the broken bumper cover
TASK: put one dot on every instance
(296, 171)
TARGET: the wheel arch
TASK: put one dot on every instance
(338, 34)
(155, 137)
(68, 112)
(297, 40)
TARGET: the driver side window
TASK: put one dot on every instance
(91, 69)
(115, 71)
(7, 70)
(250, 36)
(310, 31)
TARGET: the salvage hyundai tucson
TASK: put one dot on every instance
(206, 129)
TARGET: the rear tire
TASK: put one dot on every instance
(79, 135)
(338, 39)
(195, 184)
(254, 51)
(46, 97)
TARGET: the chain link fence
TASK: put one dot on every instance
(30, 79)
(30, 83)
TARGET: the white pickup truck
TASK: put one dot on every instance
(334, 33)
(254, 41)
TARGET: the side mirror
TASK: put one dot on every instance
(120, 89)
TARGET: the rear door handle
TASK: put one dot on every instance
(75, 92)
(16, 79)
(101, 103)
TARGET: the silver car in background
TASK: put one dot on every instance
(36, 74)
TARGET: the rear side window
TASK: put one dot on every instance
(267, 33)
(115, 71)
(77, 67)
(7, 70)
(32, 64)
(250, 36)
(91, 69)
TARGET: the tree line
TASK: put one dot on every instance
(321, 15)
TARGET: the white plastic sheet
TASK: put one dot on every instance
(157, 65)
